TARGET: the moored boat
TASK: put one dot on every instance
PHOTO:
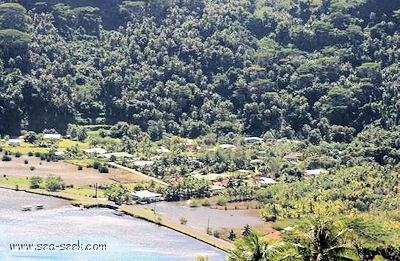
(26, 208)
(118, 212)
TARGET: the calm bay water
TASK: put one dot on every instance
(126, 238)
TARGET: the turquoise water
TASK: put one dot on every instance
(126, 238)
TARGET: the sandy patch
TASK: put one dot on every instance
(68, 172)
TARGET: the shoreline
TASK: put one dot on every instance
(131, 210)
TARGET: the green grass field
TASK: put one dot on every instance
(11, 182)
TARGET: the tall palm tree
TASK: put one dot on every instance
(254, 248)
(325, 240)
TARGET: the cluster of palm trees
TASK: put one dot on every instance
(321, 239)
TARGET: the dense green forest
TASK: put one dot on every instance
(309, 69)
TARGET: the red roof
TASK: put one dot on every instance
(274, 235)
(223, 183)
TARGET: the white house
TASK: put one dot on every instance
(163, 149)
(48, 136)
(266, 181)
(14, 142)
(253, 139)
(95, 150)
(141, 163)
(227, 146)
(146, 196)
(314, 172)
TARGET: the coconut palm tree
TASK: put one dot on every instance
(255, 248)
(324, 240)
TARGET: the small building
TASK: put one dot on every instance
(95, 150)
(124, 155)
(48, 136)
(141, 163)
(146, 196)
(227, 146)
(294, 158)
(266, 181)
(222, 183)
(314, 172)
(253, 139)
(14, 142)
(162, 150)
(59, 153)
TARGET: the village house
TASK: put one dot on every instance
(253, 139)
(146, 196)
(48, 136)
(14, 142)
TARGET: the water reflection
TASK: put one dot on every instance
(126, 238)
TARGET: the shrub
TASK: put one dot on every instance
(54, 183)
(96, 165)
(193, 203)
(206, 202)
(209, 231)
(6, 158)
(80, 167)
(113, 158)
(18, 154)
(216, 233)
(26, 161)
(30, 154)
(103, 169)
(183, 220)
(221, 201)
(38, 154)
(35, 181)
(32, 168)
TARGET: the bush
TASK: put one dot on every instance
(32, 168)
(193, 203)
(26, 161)
(6, 158)
(103, 169)
(216, 233)
(80, 167)
(18, 154)
(30, 154)
(35, 181)
(54, 183)
(96, 165)
(183, 220)
(221, 201)
(209, 231)
(206, 202)
(38, 154)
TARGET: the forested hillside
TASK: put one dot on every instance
(310, 69)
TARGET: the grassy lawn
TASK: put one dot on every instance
(25, 148)
(66, 143)
(11, 182)
(87, 192)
